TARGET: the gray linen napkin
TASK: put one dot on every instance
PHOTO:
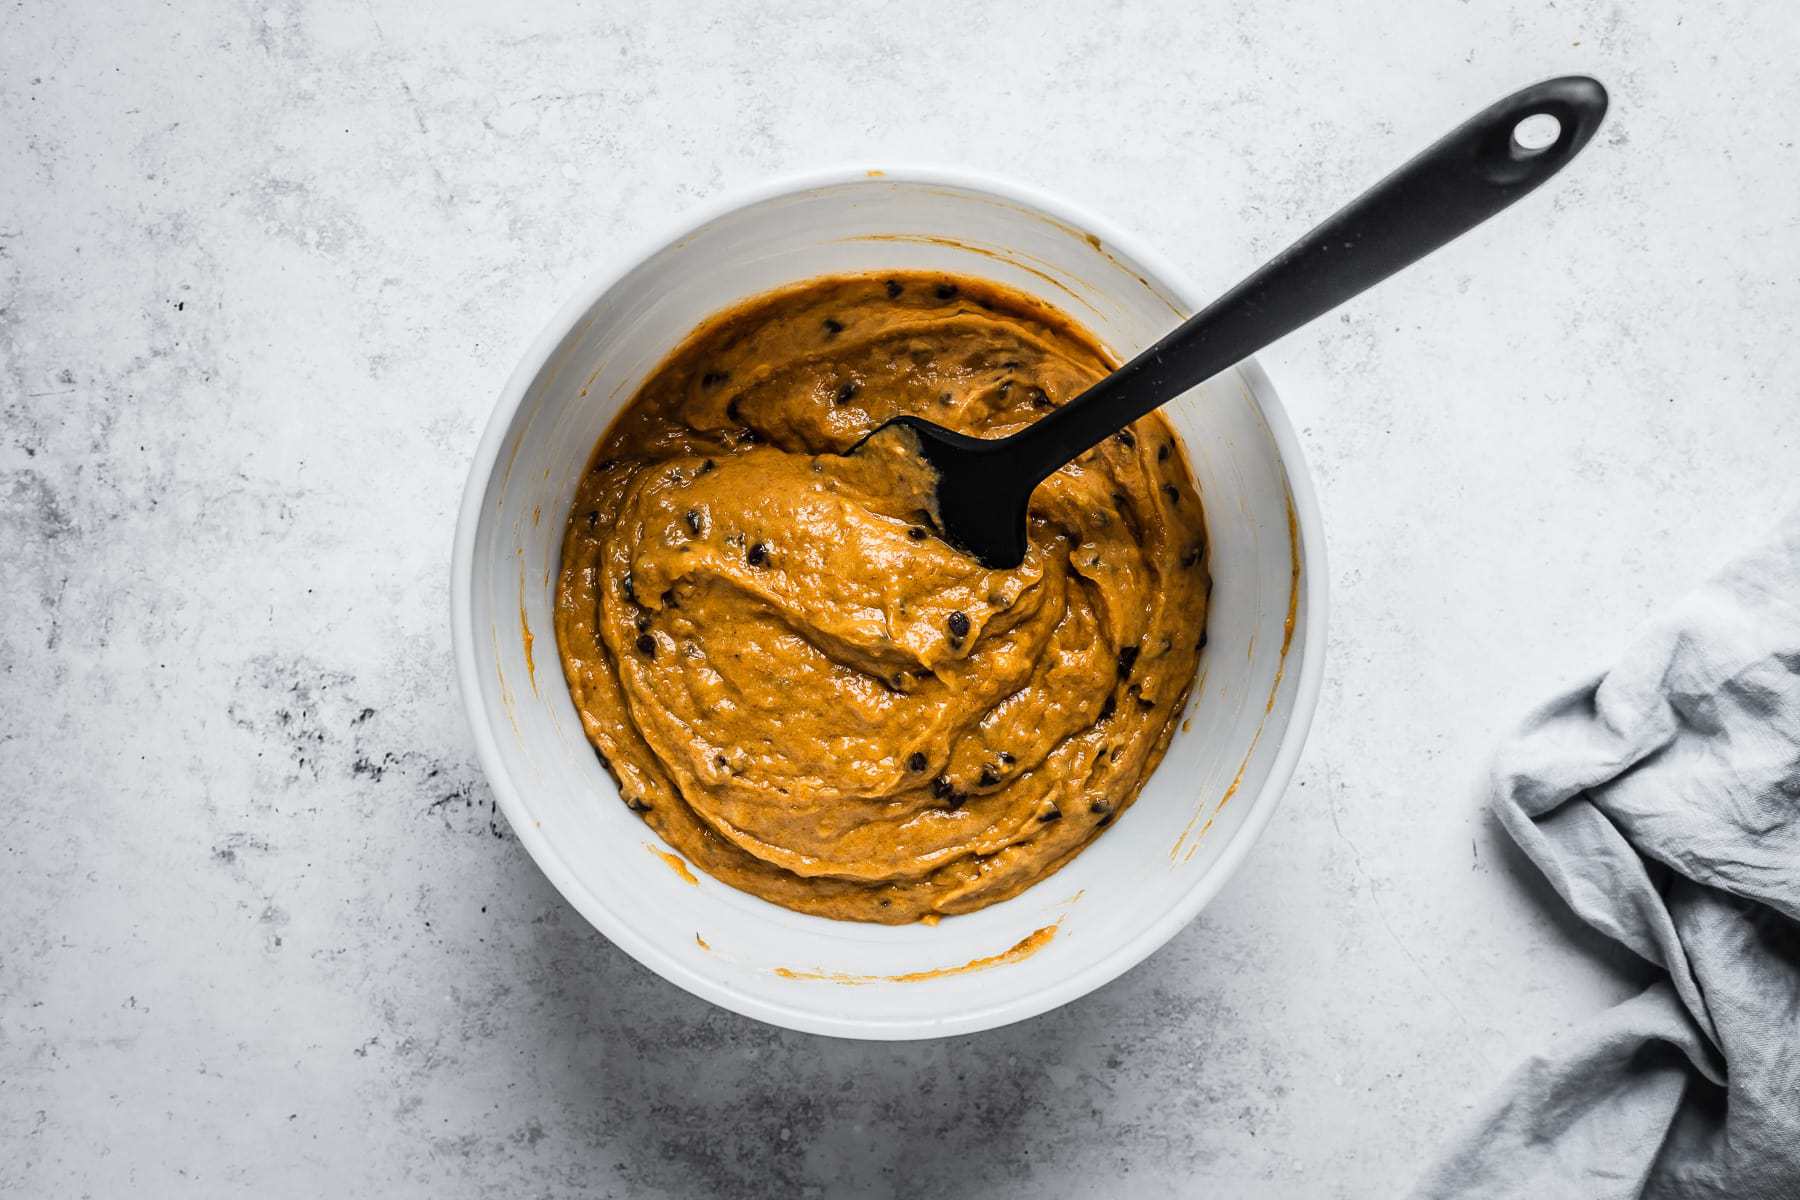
(1662, 800)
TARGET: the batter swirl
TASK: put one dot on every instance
(804, 690)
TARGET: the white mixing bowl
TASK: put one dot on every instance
(1119, 899)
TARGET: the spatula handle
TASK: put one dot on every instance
(1471, 174)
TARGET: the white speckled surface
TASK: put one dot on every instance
(263, 269)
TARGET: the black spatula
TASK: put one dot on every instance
(984, 485)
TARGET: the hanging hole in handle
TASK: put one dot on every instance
(1536, 134)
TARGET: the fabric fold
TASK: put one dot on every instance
(1661, 800)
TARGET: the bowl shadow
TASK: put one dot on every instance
(665, 1093)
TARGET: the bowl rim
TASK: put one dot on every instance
(663, 962)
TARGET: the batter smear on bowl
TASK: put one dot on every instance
(804, 690)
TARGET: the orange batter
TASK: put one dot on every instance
(798, 685)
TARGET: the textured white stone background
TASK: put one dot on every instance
(263, 269)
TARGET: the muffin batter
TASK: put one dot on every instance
(804, 690)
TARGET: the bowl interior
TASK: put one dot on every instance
(1119, 899)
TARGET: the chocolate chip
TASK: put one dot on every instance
(1124, 438)
(646, 645)
(593, 517)
(894, 289)
(669, 598)
(1051, 814)
(846, 393)
(707, 465)
(1201, 644)
(918, 533)
(959, 624)
(1103, 822)
(990, 775)
(1039, 398)
(642, 622)
(1172, 492)
(945, 398)
(1109, 708)
(1128, 656)
(917, 761)
(692, 517)
(604, 762)
(1099, 807)
(1163, 451)
(1146, 704)
(757, 554)
(1006, 756)
(718, 760)
(833, 327)
(713, 379)
(946, 291)
(637, 805)
(626, 589)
